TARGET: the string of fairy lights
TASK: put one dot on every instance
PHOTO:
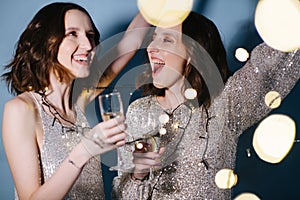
(275, 135)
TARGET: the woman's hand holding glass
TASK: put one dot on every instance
(147, 151)
(145, 161)
(111, 107)
(105, 136)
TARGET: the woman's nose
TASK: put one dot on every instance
(152, 47)
(86, 43)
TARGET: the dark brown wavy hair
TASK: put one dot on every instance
(37, 49)
(206, 50)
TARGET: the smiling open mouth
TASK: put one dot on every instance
(157, 65)
(81, 59)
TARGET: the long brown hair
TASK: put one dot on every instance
(37, 49)
(202, 39)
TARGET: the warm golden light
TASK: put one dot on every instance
(274, 138)
(162, 131)
(247, 196)
(165, 13)
(175, 125)
(139, 145)
(241, 54)
(190, 93)
(164, 118)
(273, 99)
(277, 22)
(226, 179)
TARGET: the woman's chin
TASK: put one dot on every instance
(159, 85)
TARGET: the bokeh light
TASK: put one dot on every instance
(225, 179)
(247, 196)
(273, 99)
(190, 93)
(139, 145)
(277, 22)
(165, 13)
(162, 131)
(274, 138)
(241, 54)
(164, 118)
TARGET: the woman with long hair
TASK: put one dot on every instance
(51, 150)
(201, 111)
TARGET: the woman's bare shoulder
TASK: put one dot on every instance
(22, 105)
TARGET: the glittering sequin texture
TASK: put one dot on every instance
(57, 145)
(209, 141)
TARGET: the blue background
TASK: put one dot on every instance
(234, 18)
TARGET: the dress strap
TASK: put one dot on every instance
(36, 102)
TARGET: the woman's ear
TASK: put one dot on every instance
(188, 67)
(188, 61)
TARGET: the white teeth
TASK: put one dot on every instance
(158, 62)
(80, 58)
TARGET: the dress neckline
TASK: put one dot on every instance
(168, 110)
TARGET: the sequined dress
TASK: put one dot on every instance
(206, 140)
(57, 143)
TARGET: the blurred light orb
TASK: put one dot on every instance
(162, 131)
(175, 125)
(190, 93)
(241, 54)
(273, 99)
(226, 179)
(139, 145)
(274, 138)
(277, 22)
(165, 13)
(164, 118)
(246, 196)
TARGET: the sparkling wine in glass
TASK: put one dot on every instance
(110, 115)
(111, 106)
(148, 137)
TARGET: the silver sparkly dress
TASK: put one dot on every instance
(57, 144)
(204, 141)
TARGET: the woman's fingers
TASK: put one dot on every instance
(117, 138)
(105, 136)
(111, 131)
(120, 143)
(113, 122)
(149, 158)
(148, 155)
(144, 161)
(161, 150)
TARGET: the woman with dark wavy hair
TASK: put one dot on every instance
(199, 109)
(51, 150)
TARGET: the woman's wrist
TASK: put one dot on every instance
(70, 161)
(79, 155)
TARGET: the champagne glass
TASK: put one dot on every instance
(148, 139)
(111, 106)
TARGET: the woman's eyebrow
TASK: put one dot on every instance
(77, 29)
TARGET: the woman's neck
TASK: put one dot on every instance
(173, 98)
(59, 94)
